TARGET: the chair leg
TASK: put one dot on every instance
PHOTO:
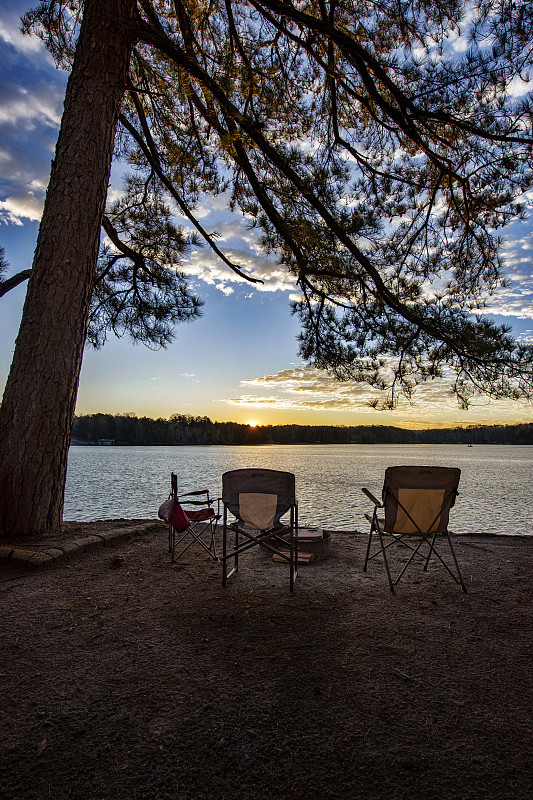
(197, 537)
(177, 542)
(383, 551)
(457, 578)
(236, 557)
(431, 548)
(225, 556)
(224, 548)
(213, 545)
(463, 587)
(208, 545)
(171, 542)
(293, 554)
(244, 540)
(415, 552)
(291, 563)
(370, 534)
(295, 526)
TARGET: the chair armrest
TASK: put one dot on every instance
(207, 501)
(372, 498)
(186, 498)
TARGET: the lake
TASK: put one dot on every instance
(495, 491)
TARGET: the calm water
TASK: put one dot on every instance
(494, 493)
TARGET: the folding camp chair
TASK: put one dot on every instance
(199, 509)
(258, 498)
(417, 502)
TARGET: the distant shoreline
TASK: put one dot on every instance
(293, 444)
(127, 430)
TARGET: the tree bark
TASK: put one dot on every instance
(40, 396)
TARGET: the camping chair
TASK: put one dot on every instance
(203, 519)
(258, 498)
(417, 502)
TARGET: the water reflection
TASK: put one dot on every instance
(131, 482)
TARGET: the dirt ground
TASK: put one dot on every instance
(126, 677)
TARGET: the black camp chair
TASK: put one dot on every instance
(416, 502)
(258, 498)
(203, 519)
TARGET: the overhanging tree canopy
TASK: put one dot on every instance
(377, 160)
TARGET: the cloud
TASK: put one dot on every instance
(515, 299)
(24, 109)
(306, 388)
(30, 46)
(225, 289)
(512, 301)
(226, 227)
(14, 209)
(518, 87)
(31, 98)
(235, 230)
(208, 267)
(302, 388)
(241, 245)
(211, 205)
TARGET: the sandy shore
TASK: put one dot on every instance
(124, 676)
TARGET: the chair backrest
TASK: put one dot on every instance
(418, 499)
(258, 497)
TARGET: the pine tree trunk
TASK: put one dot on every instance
(40, 396)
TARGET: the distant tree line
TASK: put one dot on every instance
(182, 429)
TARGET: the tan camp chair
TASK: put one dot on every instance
(202, 517)
(258, 498)
(417, 502)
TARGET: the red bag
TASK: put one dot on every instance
(172, 512)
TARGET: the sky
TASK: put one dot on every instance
(240, 360)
